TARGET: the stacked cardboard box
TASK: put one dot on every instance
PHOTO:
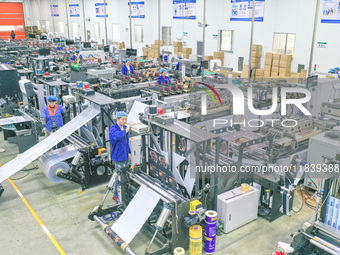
(256, 55)
(155, 52)
(219, 55)
(259, 75)
(186, 52)
(151, 53)
(178, 48)
(224, 73)
(145, 51)
(285, 65)
(245, 71)
(156, 42)
(236, 74)
(208, 57)
(303, 74)
(28, 30)
(275, 65)
(268, 65)
(122, 45)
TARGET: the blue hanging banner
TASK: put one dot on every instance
(242, 10)
(74, 10)
(331, 11)
(137, 10)
(184, 9)
(100, 10)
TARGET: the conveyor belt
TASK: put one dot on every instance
(36, 151)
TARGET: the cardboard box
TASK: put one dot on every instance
(224, 73)
(257, 47)
(284, 71)
(236, 74)
(268, 62)
(269, 55)
(187, 50)
(178, 44)
(145, 51)
(276, 56)
(245, 71)
(219, 54)
(156, 42)
(266, 74)
(177, 49)
(276, 62)
(154, 46)
(256, 54)
(303, 74)
(208, 57)
(186, 56)
(286, 57)
(294, 75)
(259, 72)
(122, 45)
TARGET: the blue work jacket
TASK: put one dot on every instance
(74, 58)
(164, 80)
(59, 48)
(120, 143)
(49, 118)
(125, 70)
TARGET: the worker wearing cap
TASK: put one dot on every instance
(119, 137)
(127, 68)
(51, 116)
(163, 78)
(77, 57)
(68, 51)
(59, 47)
(177, 66)
(335, 70)
(90, 60)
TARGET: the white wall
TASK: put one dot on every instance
(288, 16)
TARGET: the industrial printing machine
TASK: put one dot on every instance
(172, 142)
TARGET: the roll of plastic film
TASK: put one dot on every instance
(210, 216)
(195, 244)
(210, 229)
(209, 244)
(179, 251)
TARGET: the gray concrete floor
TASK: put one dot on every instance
(64, 212)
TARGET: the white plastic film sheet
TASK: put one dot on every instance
(136, 214)
(137, 108)
(54, 161)
(36, 151)
(13, 120)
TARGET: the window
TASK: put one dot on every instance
(138, 33)
(75, 29)
(96, 31)
(116, 32)
(61, 27)
(284, 43)
(226, 40)
(166, 36)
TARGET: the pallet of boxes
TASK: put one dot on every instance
(153, 51)
(31, 30)
(256, 56)
(178, 47)
(186, 52)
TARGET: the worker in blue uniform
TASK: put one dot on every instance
(59, 47)
(77, 57)
(127, 68)
(119, 137)
(90, 60)
(51, 116)
(177, 66)
(163, 78)
(335, 70)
